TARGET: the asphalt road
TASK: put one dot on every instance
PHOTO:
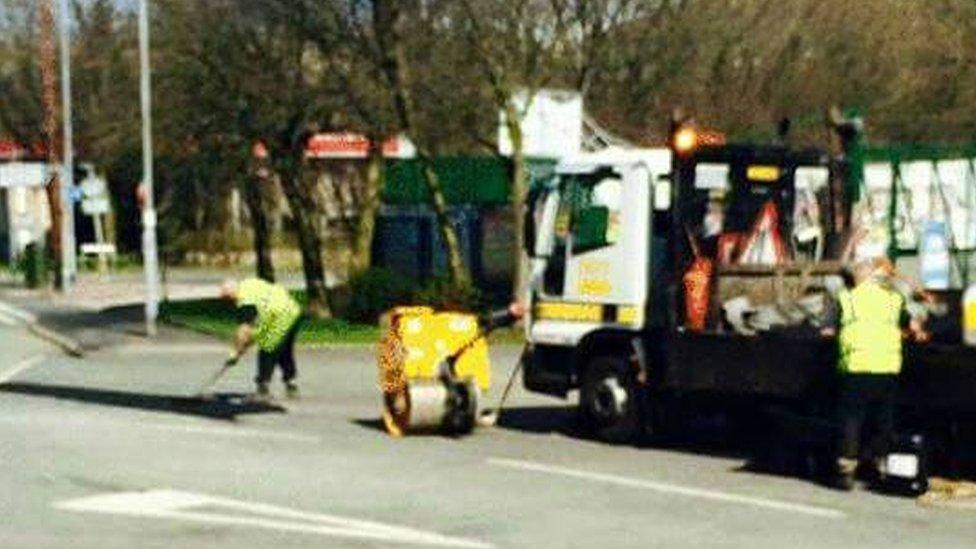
(112, 451)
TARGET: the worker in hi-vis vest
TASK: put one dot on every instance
(269, 317)
(868, 320)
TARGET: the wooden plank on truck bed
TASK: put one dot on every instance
(786, 269)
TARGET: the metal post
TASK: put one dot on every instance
(970, 206)
(893, 211)
(149, 250)
(97, 221)
(69, 258)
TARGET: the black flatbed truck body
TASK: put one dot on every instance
(792, 371)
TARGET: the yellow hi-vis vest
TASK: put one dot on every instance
(277, 311)
(870, 331)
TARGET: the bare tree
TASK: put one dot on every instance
(372, 70)
(514, 44)
(365, 103)
(389, 19)
(51, 125)
(247, 71)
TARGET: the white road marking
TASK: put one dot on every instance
(19, 368)
(201, 508)
(236, 432)
(16, 314)
(233, 432)
(667, 488)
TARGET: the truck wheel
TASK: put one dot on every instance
(608, 400)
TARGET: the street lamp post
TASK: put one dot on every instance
(69, 258)
(149, 249)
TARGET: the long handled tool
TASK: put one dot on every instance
(489, 418)
(207, 388)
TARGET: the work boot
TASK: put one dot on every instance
(262, 392)
(844, 474)
(291, 390)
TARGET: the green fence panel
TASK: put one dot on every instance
(470, 180)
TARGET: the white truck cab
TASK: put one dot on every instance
(592, 244)
(591, 254)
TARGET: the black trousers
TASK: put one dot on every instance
(283, 355)
(866, 412)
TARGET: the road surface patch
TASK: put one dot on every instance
(954, 494)
(205, 509)
(668, 488)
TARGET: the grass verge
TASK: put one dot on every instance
(217, 318)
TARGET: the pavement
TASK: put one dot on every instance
(93, 291)
(102, 310)
(114, 450)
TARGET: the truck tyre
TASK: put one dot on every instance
(609, 400)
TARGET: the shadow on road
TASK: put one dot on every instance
(766, 450)
(374, 424)
(226, 406)
(542, 420)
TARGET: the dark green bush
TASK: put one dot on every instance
(443, 295)
(375, 291)
(33, 264)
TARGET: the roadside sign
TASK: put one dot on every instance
(93, 186)
(94, 248)
(96, 206)
(75, 194)
(349, 146)
(23, 174)
(94, 199)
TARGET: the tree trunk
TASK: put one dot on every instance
(519, 192)
(254, 196)
(309, 239)
(455, 261)
(388, 18)
(362, 257)
(50, 121)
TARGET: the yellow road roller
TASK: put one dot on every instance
(434, 370)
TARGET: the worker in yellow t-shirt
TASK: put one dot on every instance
(270, 318)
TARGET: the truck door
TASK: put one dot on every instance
(597, 272)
